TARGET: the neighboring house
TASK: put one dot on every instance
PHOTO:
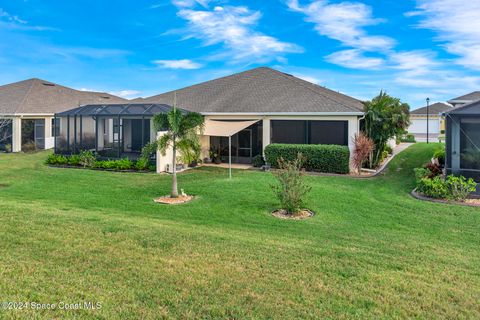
(262, 106)
(29, 107)
(465, 99)
(436, 122)
(463, 140)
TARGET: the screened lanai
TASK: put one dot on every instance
(111, 131)
(463, 141)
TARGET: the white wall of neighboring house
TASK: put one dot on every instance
(419, 125)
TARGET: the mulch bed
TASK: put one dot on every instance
(472, 202)
(283, 214)
(98, 169)
(178, 200)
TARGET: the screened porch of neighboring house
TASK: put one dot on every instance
(111, 131)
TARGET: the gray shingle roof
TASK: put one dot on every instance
(260, 90)
(434, 109)
(43, 97)
(472, 96)
(472, 108)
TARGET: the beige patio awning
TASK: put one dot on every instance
(216, 128)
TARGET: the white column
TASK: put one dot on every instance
(49, 141)
(266, 139)
(16, 134)
(353, 129)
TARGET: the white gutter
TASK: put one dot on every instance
(283, 113)
(21, 115)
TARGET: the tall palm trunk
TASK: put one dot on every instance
(174, 193)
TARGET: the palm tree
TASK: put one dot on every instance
(183, 128)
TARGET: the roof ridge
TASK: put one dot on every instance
(207, 81)
(294, 79)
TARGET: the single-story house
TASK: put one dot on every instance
(436, 121)
(262, 106)
(465, 99)
(27, 111)
(463, 141)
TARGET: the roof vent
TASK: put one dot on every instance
(105, 97)
(48, 84)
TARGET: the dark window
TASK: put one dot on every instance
(310, 132)
(55, 127)
(289, 131)
(328, 132)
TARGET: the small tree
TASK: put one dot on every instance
(291, 188)
(385, 118)
(182, 129)
(364, 147)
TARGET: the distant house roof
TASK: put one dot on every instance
(260, 90)
(472, 108)
(470, 97)
(114, 110)
(36, 96)
(434, 109)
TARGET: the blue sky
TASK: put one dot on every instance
(410, 48)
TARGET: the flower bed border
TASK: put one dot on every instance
(420, 196)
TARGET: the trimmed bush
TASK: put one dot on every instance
(56, 159)
(257, 161)
(321, 158)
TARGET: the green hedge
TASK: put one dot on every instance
(322, 158)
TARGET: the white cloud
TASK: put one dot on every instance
(127, 94)
(4, 15)
(354, 59)
(234, 28)
(190, 3)
(345, 22)
(308, 78)
(178, 64)
(457, 23)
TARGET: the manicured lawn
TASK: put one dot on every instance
(371, 251)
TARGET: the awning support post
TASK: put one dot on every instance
(230, 157)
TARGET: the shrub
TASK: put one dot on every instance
(459, 188)
(123, 164)
(388, 149)
(291, 189)
(86, 158)
(56, 159)
(364, 147)
(440, 156)
(257, 161)
(421, 173)
(322, 158)
(433, 188)
(434, 168)
(408, 138)
(74, 160)
(29, 147)
(142, 164)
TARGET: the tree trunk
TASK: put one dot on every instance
(174, 193)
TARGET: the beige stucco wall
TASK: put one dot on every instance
(353, 125)
(17, 130)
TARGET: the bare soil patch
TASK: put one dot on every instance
(283, 214)
(170, 200)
